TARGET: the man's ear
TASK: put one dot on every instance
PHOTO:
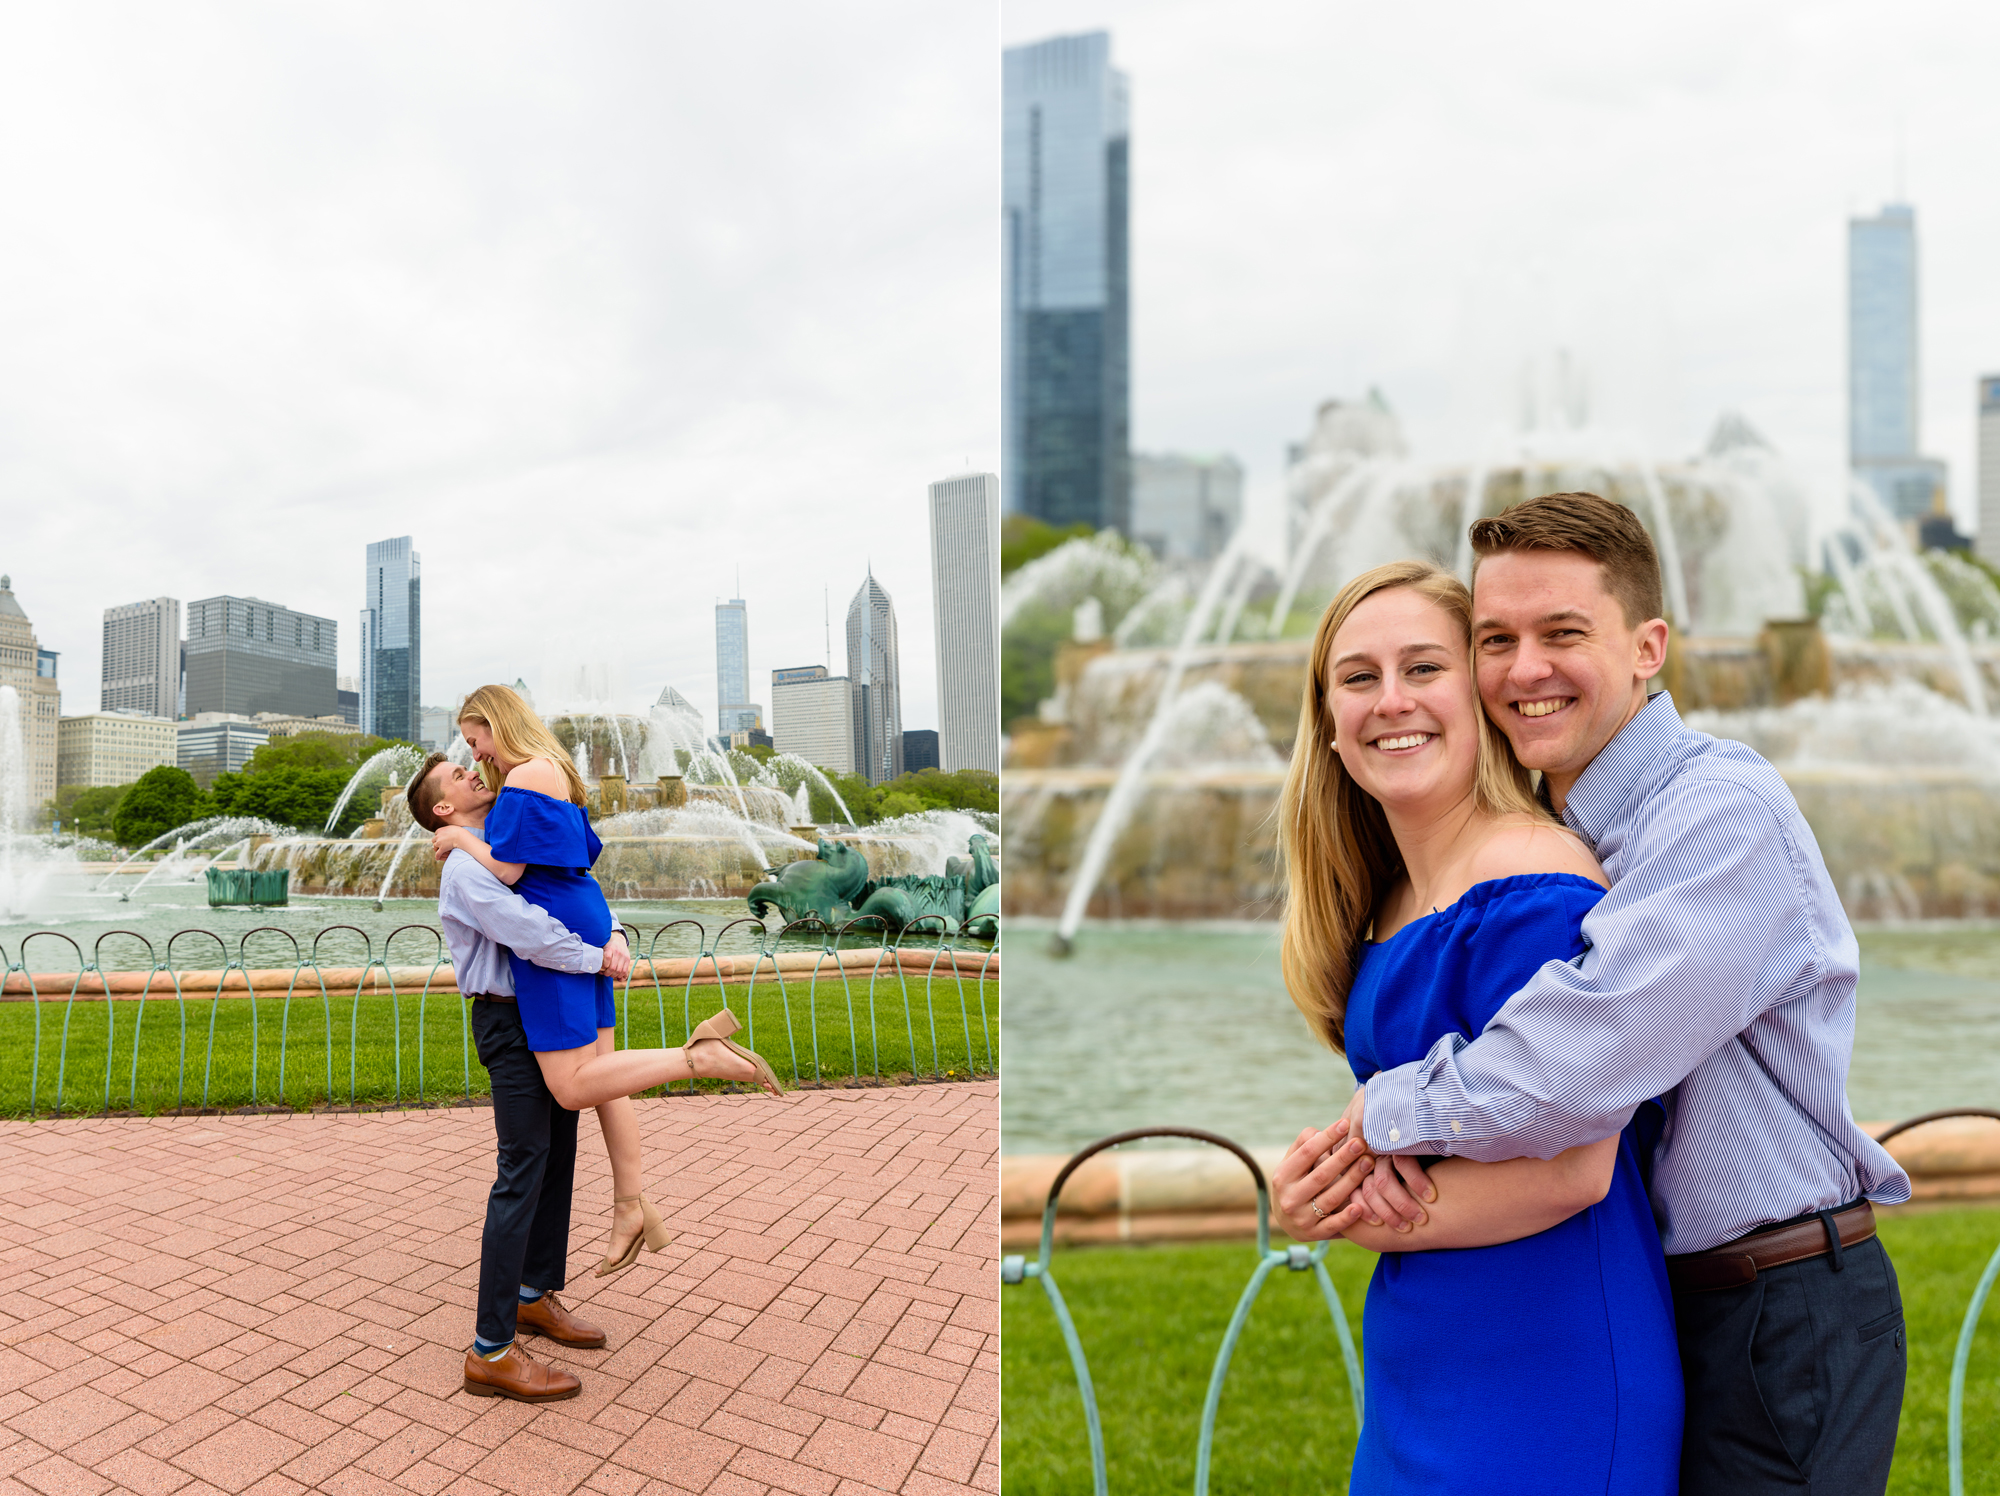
(1652, 653)
(442, 811)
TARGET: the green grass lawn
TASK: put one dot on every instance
(449, 1063)
(1151, 1317)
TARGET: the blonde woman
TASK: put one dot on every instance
(539, 841)
(1426, 885)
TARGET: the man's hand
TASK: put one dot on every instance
(446, 839)
(1323, 1170)
(617, 957)
(1397, 1182)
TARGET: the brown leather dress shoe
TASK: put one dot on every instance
(547, 1316)
(520, 1376)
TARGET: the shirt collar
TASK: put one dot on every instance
(1605, 788)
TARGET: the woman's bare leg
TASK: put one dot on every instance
(619, 1122)
(585, 1077)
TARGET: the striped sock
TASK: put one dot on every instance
(487, 1350)
(529, 1295)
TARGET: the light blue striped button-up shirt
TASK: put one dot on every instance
(1719, 976)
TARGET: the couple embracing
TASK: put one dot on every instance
(536, 952)
(1602, 1025)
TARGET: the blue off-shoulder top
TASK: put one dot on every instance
(528, 826)
(559, 1010)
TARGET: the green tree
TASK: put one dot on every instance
(162, 799)
(1023, 538)
(87, 810)
(287, 795)
(316, 750)
(1028, 661)
(927, 789)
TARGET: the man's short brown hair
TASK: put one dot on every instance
(1607, 532)
(423, 804)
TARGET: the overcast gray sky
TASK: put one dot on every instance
(599, 303)
(1328, 196)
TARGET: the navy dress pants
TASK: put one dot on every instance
(527, 1214)
(1794, 1381)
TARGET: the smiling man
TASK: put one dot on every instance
(1720, 977)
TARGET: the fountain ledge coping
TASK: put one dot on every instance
(1190, 1194)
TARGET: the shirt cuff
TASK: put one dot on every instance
(1389, 1116)
(596, 960)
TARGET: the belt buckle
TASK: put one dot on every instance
(1734, 1270)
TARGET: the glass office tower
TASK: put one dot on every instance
(246, 656)
(735, 711)
(1882, 388)
(1066, 345)
(876, 677)
(392, 642)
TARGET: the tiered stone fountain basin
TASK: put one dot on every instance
(668, 840)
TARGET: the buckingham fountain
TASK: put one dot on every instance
(680, 818)
(1807, 626)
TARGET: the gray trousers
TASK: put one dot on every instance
(1794, 1381)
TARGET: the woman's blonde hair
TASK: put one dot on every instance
(518, 735)
(1340, 858)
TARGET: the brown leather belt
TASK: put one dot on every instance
(1735, 1263)
(491, 997)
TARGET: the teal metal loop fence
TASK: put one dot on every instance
(1962, 1356)
(835, 1004)
(1297, 1258)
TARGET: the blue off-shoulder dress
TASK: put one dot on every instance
(559, 1009)
(1542, 1365)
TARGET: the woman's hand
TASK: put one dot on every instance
(617, 957)
(446, 839)
(1314, 1186)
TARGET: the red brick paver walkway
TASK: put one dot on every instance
(282, 1304)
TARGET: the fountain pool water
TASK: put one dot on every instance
(1155, 1021)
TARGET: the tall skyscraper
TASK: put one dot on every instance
(1065, 326)
(31, 671)
(1988, 541)
(392, 642)
(965, 597)
(1185, 508)
(877, 678)
(142, 659)
(1883, 435)
(245, 656)
(812, 715)
(735, 711)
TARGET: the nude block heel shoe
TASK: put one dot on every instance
(719, 1028)
(653, 1235)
